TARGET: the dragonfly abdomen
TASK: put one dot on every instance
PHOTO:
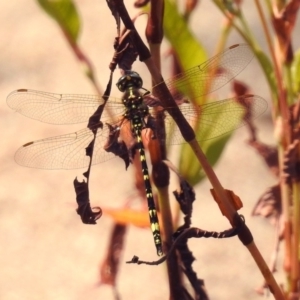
(137, 129)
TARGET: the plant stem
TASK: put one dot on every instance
(234, 24)
(175, 282)
(286, 214)
(281, 93)
(275, 289)
(230, 214)
(157, 150)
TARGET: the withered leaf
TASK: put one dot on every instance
(110, 265)
(88, 215)
(125, 51)
(291, 163)
(140, 3)
(240, 88)
(190, 6)
(269, 154)
(94, 121)
(294, 120)
(269, 204)
(118, 147)
(233, 198)
(185, 197)
(284, 24)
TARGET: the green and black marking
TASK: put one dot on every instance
(136, 112)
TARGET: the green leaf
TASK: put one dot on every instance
(212, 147)
(296, 72)
(65, 14)
(189, 166)
(189, 51)
(268, 69)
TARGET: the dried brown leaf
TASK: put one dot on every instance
(284, 24)
(141, 3)
(240, 88)
(234, 199)
(88, 215)
(110, 265)
(269, 154)
(116, 146)
(269, 205)
(291, 163)
(190, 5)
(294, 119)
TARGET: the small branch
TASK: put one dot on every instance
(282, 99)
(186, 234)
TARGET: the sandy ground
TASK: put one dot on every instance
(46, 252)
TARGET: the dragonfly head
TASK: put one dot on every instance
(129, 79)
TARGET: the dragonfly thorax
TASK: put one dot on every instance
(134, 103)
(129, 79)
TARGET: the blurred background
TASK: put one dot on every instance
(45, 250)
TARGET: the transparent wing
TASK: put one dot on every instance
(214, 119)
(66, 151)
(217, 71)
(67, 109)
(58, 108)
(69, 151)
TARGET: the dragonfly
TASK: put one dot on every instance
(129, 117)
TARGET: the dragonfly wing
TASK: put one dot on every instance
(215, 119)
(212, 74)
(58, 108)
(66, 151)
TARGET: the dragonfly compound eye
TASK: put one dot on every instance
(129, 79)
